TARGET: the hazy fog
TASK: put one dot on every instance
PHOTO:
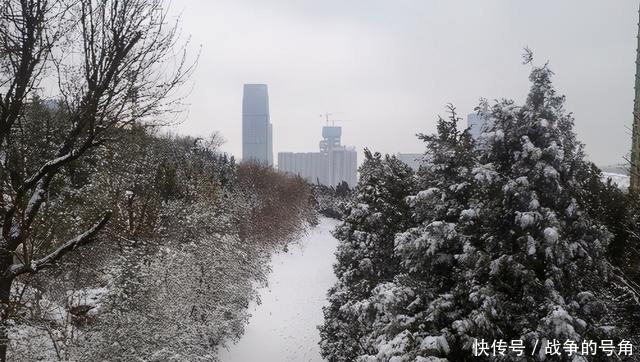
(391, 66)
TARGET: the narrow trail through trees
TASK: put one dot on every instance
(283, 327)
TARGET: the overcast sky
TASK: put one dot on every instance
(391, 66)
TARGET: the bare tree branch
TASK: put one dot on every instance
(47, 261)
(115, 66)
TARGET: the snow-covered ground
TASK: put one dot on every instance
(283, 327)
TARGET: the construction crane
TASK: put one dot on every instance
(326, 116)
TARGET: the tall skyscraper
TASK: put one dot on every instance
(257, 131)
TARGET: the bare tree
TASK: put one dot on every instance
(113, 63)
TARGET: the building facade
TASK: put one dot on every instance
(332, 165)
(476, 125)
(343, 166)
(309, 165)
(257, 130)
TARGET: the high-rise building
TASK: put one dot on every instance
(332, 165)
(330, 138)
(309, 165)
(257, 131)
(476, 124)
(343, 163)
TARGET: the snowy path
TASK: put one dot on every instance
(283, 327)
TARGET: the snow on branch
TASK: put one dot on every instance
(82, 239)
(53, 164)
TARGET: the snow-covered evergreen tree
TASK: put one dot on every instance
(534, 259)
(506, 244)
(365, 255)
(410, 312)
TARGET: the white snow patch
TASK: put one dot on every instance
(531, 246)
(551, 235)
(425, 194)
(530, 150)
(283, 327)
(468, 214)
(525, 219)
(484, 174)
(534, 204)
(488, 137)
(435, 343)
(430, 359)
(551, 172)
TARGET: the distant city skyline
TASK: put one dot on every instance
(391, 67)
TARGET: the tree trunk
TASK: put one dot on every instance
(5, 299)
(5, 293)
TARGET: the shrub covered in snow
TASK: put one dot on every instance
(172, 277)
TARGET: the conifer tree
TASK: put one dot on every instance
(508, 240)
(410, 312)
(365, 254)
(510, 248)
(534, 258)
